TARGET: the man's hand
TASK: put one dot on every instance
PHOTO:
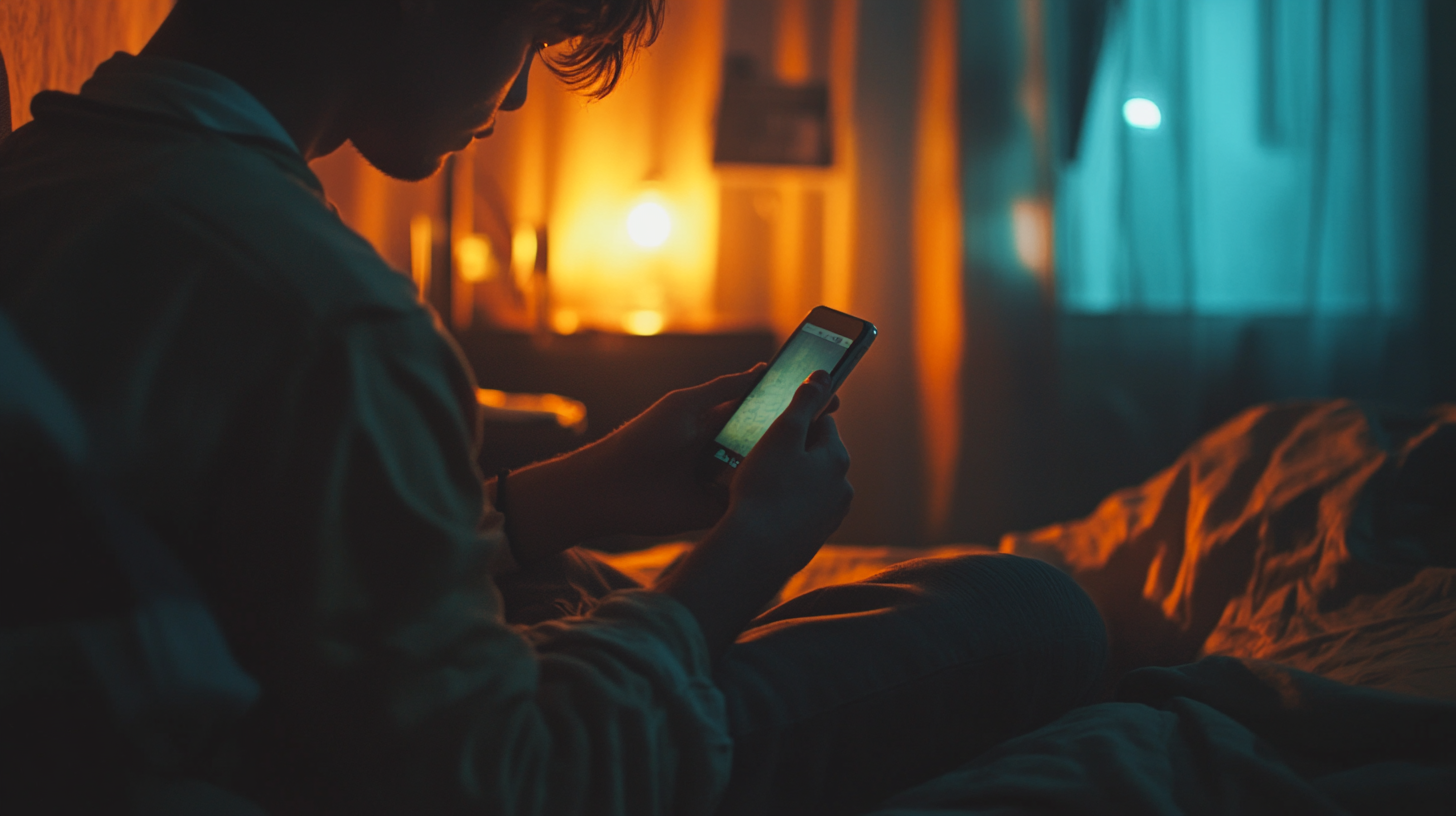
(789, 494)
(654, 467)
(646, 477)
(792, 486)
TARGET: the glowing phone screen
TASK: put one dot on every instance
(810, 349)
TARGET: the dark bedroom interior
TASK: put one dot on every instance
(327, 485)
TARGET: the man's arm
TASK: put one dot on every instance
(642, 478)
(787, 497)
(396, 682)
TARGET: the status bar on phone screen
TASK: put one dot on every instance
(827, 335)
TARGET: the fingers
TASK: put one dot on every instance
(726, 388)
(718, 416)
(824, 442)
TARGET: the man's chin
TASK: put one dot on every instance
(402, 164)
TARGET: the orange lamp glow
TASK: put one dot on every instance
(649, 224)
(523, 254)
(421, 246)
(508, 407)
(565, 321)
(473, 258)
(644, 322)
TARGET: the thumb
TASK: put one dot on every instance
(808, 401)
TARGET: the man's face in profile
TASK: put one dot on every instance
(441, 81)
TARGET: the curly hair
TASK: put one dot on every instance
(604, 36)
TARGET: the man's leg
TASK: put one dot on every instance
(849, 693)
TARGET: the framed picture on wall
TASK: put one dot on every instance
(764, 121)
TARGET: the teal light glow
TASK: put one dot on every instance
(1142, 113)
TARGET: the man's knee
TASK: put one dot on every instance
(1075, 634)
(1013, 603)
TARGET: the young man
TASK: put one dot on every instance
(267, 393)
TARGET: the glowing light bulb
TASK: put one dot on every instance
(565, 321)
(473, 258)
(648, 225)
(1032, 232)
(523, 254)
(1142, 113)
(421, 248)
(644, 322)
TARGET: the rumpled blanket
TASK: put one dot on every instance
(1220, 736)
(1320, 535)
(1300, 562)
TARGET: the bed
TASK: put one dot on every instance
(1281, 604)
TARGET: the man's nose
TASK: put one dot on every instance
(516, 97)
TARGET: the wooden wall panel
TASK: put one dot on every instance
(56, 44)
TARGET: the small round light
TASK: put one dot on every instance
(644, 322)
(649, 224)
(565, 321)
(473, 258)
(1142, 113)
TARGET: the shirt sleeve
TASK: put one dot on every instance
(390, 668)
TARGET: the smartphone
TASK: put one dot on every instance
(827, 340)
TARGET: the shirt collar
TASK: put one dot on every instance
(183, 90)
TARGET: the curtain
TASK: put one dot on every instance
(1266, 223)
(56, 44)
(1244, 220)
(1285, 175)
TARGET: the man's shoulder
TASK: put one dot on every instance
(275, 230)
(219, 210)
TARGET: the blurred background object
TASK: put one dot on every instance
(1089, 230)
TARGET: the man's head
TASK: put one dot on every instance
(462, 61)
(414, 80)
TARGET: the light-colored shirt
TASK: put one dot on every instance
(268, 393)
